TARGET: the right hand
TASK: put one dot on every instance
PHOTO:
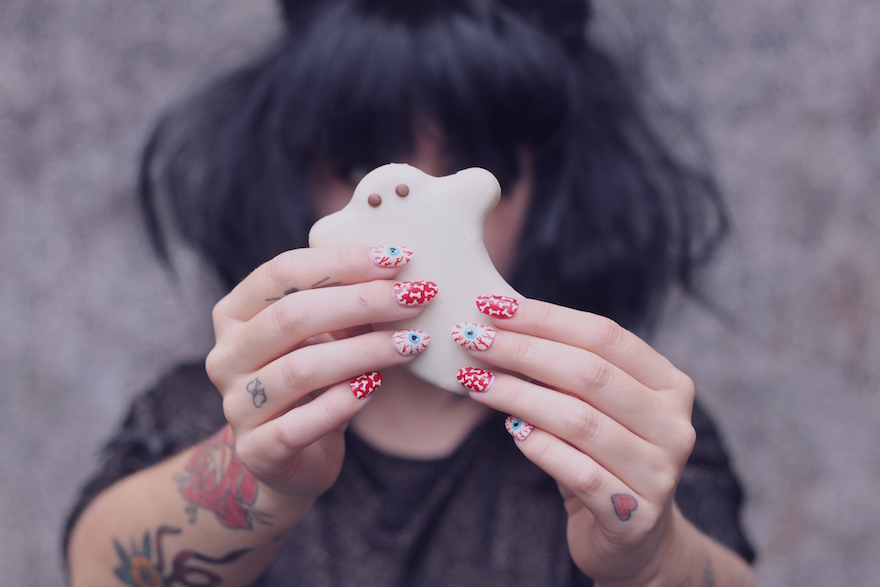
(284, 362)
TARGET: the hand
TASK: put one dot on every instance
(606, 416)
(289, 353)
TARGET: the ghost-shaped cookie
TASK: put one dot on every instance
(443, 220)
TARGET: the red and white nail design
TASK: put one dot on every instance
(497, 306)
(390, 256)
(473, 336)
(475, 379)
(363, 386)
(414, 293)
(410, 342)
(517, 428)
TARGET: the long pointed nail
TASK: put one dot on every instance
(414, 293)
(476, 337)
(475, 379)
(410, 342)
(517, 428)
(497, 306)
(390, 256)
(362, 387)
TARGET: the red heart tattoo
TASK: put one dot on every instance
(624, 505)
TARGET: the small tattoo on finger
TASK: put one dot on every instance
(287, 292)
(624, 505)
(325, 283)
(257, 391)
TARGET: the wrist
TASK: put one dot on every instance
(285, 510)
(667, 558)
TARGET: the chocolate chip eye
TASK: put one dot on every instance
(375, 200)
(402, 190)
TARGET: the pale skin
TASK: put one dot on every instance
(611, 415)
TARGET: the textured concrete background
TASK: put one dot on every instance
(786, 96)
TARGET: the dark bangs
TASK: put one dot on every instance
(615, 218)
(362, 75)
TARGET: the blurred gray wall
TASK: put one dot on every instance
(785, 96)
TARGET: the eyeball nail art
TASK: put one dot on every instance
(517, 428)
(363, 386)
(390, 256)
(472, 336)
(410, 342)
(475, 379)
(497, 306)
(414, 293)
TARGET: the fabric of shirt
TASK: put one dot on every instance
(484, 515)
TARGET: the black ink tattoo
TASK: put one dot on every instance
(287, 292)
(320, 284)
(257, 392)
(708, 574)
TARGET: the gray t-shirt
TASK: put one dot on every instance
(484, 515)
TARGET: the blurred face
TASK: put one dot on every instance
(331, 193)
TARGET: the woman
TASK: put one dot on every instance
(316, 479)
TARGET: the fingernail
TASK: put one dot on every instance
(497, 306)
(363, 386)
(475, 379)
(410, 342)
(414, 293)
(517, 428)
(390, 256)
(473, 336)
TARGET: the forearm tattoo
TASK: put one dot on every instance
(144, 564)
(214, 479)
(257, 391)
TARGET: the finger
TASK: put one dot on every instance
(283, 326)
(591, 332)
(305, 269)
(640, 464)
(616, 507)
(280, 439)
(279, 386)
(588, 377)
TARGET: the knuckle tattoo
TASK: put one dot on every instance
(258, 392)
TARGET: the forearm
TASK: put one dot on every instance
(175, 519)
(692, 559)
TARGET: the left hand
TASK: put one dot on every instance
(612, 425)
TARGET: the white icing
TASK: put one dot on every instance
(443, 220)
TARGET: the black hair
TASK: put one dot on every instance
(614, 221)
